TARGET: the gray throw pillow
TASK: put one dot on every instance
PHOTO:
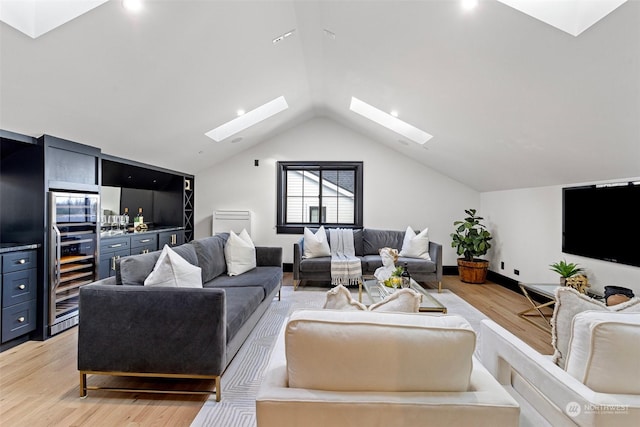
(210, 252)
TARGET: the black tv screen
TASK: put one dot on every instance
(602, 222)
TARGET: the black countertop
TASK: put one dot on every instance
(157, 229)
(14, 247)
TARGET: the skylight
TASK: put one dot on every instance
(34, 17)
(570, 16)
(248, 119)
(387, 120)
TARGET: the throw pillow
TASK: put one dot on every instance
(415, 246)
(402, 300)
(172, 270)
(570, 302)
(239, 253)
(339, 298)
(604, 351)
(316, 245)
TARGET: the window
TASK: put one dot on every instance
(311, 194)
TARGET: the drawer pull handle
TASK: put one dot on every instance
(145, 240)
(21, 319)
(115, 246)
(22, 287)
(22, 261)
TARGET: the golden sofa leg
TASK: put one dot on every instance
(440, 287)
(83, 384)
(218, 391)
(296, 283)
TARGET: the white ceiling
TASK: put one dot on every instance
(511, 101)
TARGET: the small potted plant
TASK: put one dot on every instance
(565, 269)
(471, 240)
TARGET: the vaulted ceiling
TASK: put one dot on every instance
(512, 102)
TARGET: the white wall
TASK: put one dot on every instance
(526, 223)
(397, 190)
(527, 230)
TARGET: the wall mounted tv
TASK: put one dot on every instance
(602, 222)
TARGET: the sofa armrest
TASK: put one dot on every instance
(546, 386)
(268, 256)
(111, 281)
(297, 258)
(435, 252)
(152, 330)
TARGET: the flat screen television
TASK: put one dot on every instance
(602, 222)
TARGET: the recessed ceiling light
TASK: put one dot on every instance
(329, 34)
(132, 5)
(248, 119)
(282, 37)
(387, 120)
(394, 113)
(240, 112)
(469, 4)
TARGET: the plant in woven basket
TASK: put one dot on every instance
(471, 240)
(471, 237)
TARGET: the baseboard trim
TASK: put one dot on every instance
(287, 267)
(499, 279)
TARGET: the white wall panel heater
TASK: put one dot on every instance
(234, 220)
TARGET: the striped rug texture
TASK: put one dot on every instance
(242, 378)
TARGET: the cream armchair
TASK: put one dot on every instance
(355, 368)
(601, 383)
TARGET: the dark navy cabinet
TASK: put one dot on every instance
(19, 291)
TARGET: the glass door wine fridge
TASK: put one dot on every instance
(73, 260)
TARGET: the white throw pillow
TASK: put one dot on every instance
(401, 301)
(415, 246)
(604, 351)
(316, 245)
(570, 302)
(172, 270)
(239, 253)
(339, 298)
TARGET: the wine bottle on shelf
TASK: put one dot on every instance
(125, 219)
(138, 220)
(406, 277)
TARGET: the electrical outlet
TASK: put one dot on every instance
(501, 265)
(516, 272)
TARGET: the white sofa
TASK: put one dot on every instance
(602, 357)
(356, 368)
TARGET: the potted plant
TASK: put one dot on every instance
(565, 269)
(471, 240)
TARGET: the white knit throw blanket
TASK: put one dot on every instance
(345, 266)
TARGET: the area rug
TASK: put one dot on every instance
(242, 378)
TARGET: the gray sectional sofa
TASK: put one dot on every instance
(367, 243)
(132, 330)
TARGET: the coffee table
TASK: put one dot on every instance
(377, 292)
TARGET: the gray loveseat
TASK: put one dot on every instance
(367, 242)
(128, 329)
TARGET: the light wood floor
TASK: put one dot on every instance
(39, 380)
